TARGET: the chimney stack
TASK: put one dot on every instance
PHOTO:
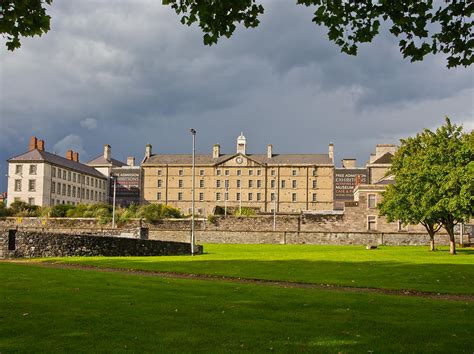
(75, 156)
(331, 152)
(269, 151)
(33, 143)
(148, 151)
(69, 155)
(216, 151)
(107, 152)
(41, 145)
(131, 161)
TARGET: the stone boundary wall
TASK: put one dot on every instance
(303, 237)
(31, 244)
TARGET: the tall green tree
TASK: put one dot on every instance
(423, 27)
(434, 180)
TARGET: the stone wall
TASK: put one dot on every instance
(21, 243)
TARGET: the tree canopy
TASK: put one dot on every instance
(434, 180)
(423, 27)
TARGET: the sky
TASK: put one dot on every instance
(128, 73)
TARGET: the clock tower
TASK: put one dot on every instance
(241, 144)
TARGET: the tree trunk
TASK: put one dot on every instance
(432, 244)
(452, 242)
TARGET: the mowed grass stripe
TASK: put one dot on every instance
(397, 268)
(60, 310)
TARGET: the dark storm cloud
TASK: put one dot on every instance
(128, 73)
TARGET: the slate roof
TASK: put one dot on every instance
(277, 159)
(101, 161)
(384, 159)
(44, 156)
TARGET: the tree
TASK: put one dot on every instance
(423, 27)
(434, 180)
(23, 18)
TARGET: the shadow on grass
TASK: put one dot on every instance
(443, 278)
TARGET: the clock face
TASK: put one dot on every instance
(239, 160)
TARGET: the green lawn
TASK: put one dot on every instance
(404, 267)
(65, 310)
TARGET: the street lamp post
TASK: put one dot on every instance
(274, 205)
(193, 132)
(113, 201)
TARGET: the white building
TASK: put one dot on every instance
(41, 178)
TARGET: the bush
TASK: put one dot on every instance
(20, 208)
(245, 211)
(212, 219)
(155, 212)
(60, 210)
(4, 211)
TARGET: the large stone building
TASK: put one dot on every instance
(285, 182)
(41, 178)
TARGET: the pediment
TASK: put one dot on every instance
(239, 160)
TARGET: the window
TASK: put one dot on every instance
(226, 196)
(259, 183)
(201, 172)
(53, 187)
(371, 201)
(160, 182)
(227, 172)
(218, 172)
(53, 171)
(74, 191)
(180, 196)
(238, 183)
(226, 183)
(18, 169)
(18, 185)
(59, 173)
(218, 196)
(83, 193)
(250, 184)
(69, 175)
(64, 190)
(218, 183)
(315, 173)
(87, 194)
(283, 184)
(239, 172)
(68, 191)
(32, 185)
(273, 173)
(201, 183)
(95, 195)
(96, 183)
(201, 196)
(314, 197)
(180, 172)
(272, 183)
(250, 197)
(259, 172)
(371, 222)
(64, 174)
(158, 172)
(293, 197)
(17, 199)
(87, 181)
(31, 201)
(315, 183)
(74, 177)
(250, 172)
(32, 169)
(272, 196)
(238, 196)
(259, 197)
(293, 173)
(59, 188)
(180, 183)
(293, 183)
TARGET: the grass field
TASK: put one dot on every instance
(404, 267)
(44, 310)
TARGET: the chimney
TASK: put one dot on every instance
(107, 152)
(216, 151)
(331, 152)
(148, 150)
(269, 151)
(69, 155)
(41, 145)
(75, 156)
(131, 161)
(33, 143)
(349, 163)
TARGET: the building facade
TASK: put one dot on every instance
(264, 182)
(41, 178)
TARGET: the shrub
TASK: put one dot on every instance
(4, 211)
(212, 219)
(155, 212)
(20, 208)
(244, 211)
(60, 210)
